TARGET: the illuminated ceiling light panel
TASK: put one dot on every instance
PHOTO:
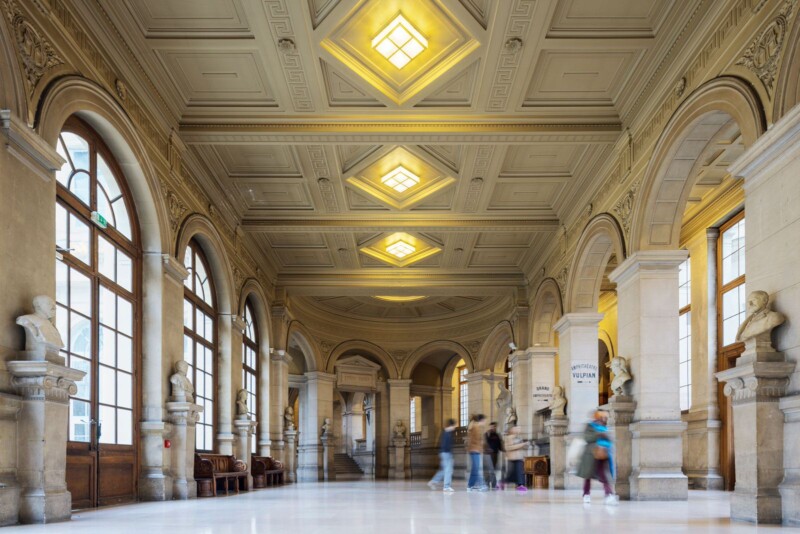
(400, 179)
(399, 42)
(400, 249)
(398, 298)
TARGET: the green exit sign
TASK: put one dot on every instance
(99, 220)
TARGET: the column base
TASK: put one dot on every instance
(309, 464)
(705, 480)
(657, 462)
(47, 508)
(764, 508)
(225, 443)
(155, 488)
(9, 505)
(790, 503)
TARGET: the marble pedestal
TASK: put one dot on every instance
(397, 459)
(244, 428)
(557, 429)
(790, 487)
(756, 385)
(42, 431)
(290, 455)
(183, 415)
(328, 469)
(620, 410)
(154, 484)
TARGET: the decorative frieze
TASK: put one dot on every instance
(280, 24)
(623, 209)
(510, 57)
(764, 53)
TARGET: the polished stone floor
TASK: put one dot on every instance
(403, 507)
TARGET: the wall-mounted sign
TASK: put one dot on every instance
(542, 395)
(584, 373)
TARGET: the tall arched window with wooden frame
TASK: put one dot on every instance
(463, 396)
(685, 334)
(200, 340)
(98, 285)
(250, 363)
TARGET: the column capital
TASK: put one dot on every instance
(43, 380)
(570, 320)
(174, 269)
(756, 381)
(712, 234)
(648, 260)
(399, 382)
(320, 376)
(28, 147)
(238, 323)
(537, 352)
(278, 356)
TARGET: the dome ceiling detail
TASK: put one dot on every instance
(423, 308)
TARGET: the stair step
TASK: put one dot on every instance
(344, 465)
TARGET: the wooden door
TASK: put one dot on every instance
(727, 460)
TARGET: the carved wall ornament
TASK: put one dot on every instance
(513, 45)
(764, 53)
(474, 347)
(175, 207)
(238, 279)
(280, 24)
(326, 346)
(680, 87)
(286, 46)
(624, 208)
(561, 279)
(36, 53)
(121, 89)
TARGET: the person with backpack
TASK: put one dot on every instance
(597, 461)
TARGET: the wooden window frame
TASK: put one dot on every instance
(681, 312)
(461, 384)
(197, 302)
(252, 344)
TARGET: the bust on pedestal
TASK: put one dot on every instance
(183, 414)
(621, 408)
(397, 451)
(44, 383)
(556, 428)
(756, 384)
(326, 437)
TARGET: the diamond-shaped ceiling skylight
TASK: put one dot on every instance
(400, 249)
(400, 179)
(399, 42)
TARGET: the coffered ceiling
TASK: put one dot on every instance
(500, 121)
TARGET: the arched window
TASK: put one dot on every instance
(250, 363)
(97, 294)
(463, 396)
(200, 339)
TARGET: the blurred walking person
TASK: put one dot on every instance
(475, 450)
(515, 451)
(491, 453)
(445, 474)
(597, 461)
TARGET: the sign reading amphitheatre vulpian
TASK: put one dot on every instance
(584, 372)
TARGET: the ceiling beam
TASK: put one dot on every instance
(336, 132)
(387, 224)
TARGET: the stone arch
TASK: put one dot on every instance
(787, 88)
(425, 350)
(658, 212)
(495, 350)
(298, 332)
(601, 239)
(547, 309)
(77, 96)
(198, 227)
(252, 288)
(371, 349)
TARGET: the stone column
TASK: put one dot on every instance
(557, 430)
(399, 402)
(290, 455)
(756, 384)
(579, 375)
(224, 402)
(620, 410)
(482, 392)
(790, 487)
(42, 432)
(278, 402)
(245, 428)
(543, 382)
(328, 469)
(9, 489)
(183, 416)
(318, 405)
(522, 395)
(647, 296)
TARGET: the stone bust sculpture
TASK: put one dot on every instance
(760, 320)
(559, 403)
(41, 333)
(182, 389)
(399, 430)
(326, 427)
(619, 366)
(241, 403)
(288, 418)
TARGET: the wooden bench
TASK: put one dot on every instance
(267, 472)
(211, 469)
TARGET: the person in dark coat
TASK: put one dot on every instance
(445, 473)
(597, 461)
(493, 446)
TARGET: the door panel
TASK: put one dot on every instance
(81, 471)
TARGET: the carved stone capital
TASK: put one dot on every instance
(557, 426)
(42, 380)
(757, 381)
(174, 269)
(183, 413)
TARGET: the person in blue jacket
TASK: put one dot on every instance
(445, 473)
(597, 461)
